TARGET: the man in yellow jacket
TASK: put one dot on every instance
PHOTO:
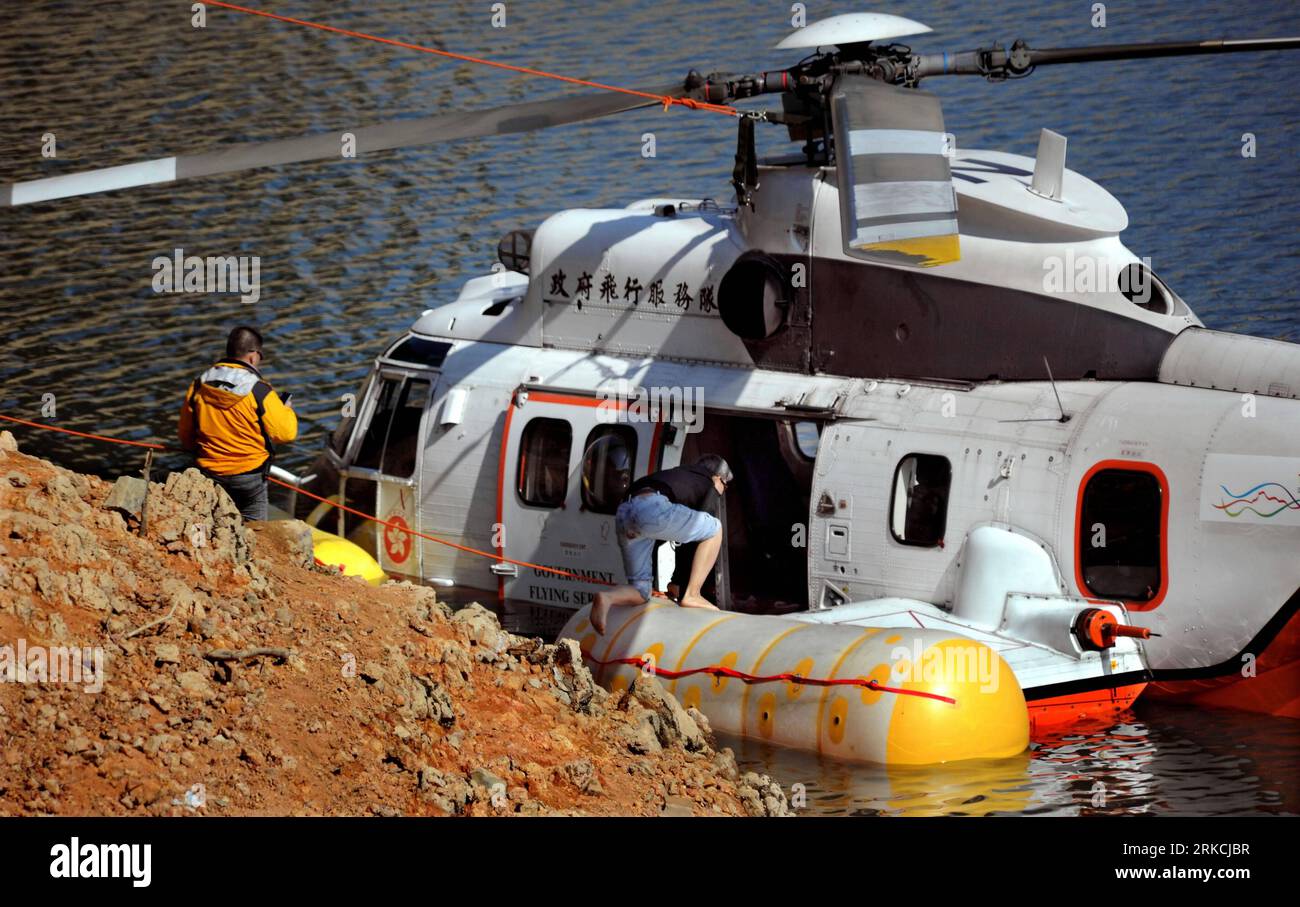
(232, 420)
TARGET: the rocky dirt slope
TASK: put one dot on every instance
(238, 678)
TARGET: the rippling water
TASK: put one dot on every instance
(1163, 759)
(352, 253)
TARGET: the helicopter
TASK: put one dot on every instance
(926, 430)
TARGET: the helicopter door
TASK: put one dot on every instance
(381, 479)
(564, 471)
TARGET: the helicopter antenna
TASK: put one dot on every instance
(1063, 417)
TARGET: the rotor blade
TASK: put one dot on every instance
(1021, 58)
(897, 202)
(444, 127)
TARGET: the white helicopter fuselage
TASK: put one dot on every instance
(869, 490)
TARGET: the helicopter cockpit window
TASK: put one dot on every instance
(543, 470)
(404, 432)
(608, 462)
(420, 351)
(1119, 535)
(372, 444)
(919, 508)
(392, 439)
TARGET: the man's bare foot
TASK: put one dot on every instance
(697, 601)
(599, 611)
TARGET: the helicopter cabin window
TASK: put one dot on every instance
(391, 442)
(1119, 535)
(608, 461)
(543, 471)
(808, 436)
(919, 508)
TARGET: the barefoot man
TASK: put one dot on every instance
(669, 506)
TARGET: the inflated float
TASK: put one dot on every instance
(894, 696)
(1074, 658)
(348, 558)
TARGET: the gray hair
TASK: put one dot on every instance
(716, 466)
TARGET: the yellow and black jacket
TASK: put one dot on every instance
(232, 419)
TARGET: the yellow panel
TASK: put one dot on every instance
(930, 250)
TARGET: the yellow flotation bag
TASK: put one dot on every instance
(333, 551)
(937, 697)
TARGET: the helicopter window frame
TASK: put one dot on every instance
(809, 455)
(626, 434)
(377, 406)
(1156, 523)
(406, 446)
(374, 406)
(422, 352)
(526, 482)
(901, 519)
(340, 442)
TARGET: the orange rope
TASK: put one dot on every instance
(82, 434)
(667, 100)
(367, 516)
(646, 663)
(434, 538)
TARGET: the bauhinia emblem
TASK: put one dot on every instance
(397, 539)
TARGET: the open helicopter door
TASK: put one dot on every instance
(381, 476)
(566, 461)
(762, 566)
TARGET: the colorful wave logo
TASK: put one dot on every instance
(1257, 495)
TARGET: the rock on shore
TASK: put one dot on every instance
(238, 678)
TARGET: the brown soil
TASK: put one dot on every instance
(382, 701)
